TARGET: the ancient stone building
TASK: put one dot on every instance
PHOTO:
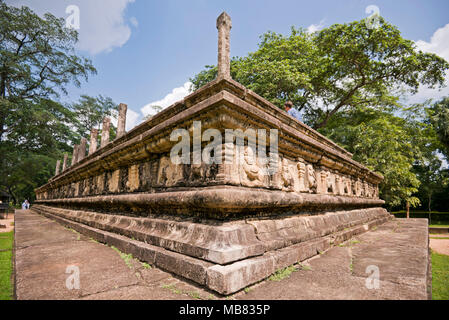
(284, 195)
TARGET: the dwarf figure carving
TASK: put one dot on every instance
(346, 185)
(358, 188)
(323, 181)
(301, 176)
(366, 192)
(249, 164)
(169, 174)
(353, 187)
(338, 185)
(311, 179)
(371, 190)
(287, 177)
(330, 182)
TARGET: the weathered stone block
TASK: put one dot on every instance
(231, 278)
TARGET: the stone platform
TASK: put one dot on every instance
(44, 249)
(222, 188)
(223, 256)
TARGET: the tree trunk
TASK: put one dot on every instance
(407, 207)
(430, 210)
(14, 200)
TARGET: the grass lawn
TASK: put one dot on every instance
(6, 243)
(440, 276)
(439, 225)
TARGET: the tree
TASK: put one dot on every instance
(156, 110)
(337, 68)
(37, 62)
(37, 58)
(347, 80)
(432, 180)
(438, 116)
(37, 131)
(90, 112)
(386, 144)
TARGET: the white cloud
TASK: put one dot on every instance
(176, 95)
(102, 22)
(315, 27)
(439, 44)
(132, 119)
(134, 21)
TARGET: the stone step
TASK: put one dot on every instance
(224, 279)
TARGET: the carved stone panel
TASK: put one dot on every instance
(302, 170)
(312, 183)
(169, 174)
(114, 180)
(133, 178)
(251, 172)
(287, 175)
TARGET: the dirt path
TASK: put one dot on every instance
(440, 245)
(8, 224)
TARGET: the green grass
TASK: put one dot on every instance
(439, 225)
(172, 288)
(283, 273)
(440, 276)
(305, 267)
(126, 257)
(6, 244)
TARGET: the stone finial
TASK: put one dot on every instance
(75, 154)
(93, 141)
(224, 26)
(64, 164)
(58, 165)
(82, 149)
(105, 132)
(122, 109)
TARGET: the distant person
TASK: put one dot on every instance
(27, 204)
(292, 111)
(24, 205)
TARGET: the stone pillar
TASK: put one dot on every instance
(224, 26)
(58, 165)
(82, 149)
(122, 108)
(75, 154)
(93, 141)
(105, 132)
(64, 164)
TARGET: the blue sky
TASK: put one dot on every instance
(143, 50)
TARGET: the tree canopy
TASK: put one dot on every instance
(348, 81)
(337, 68)
(37, 63)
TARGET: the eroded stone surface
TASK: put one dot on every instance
(224, 279)
(44, 249)
(225, 242)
